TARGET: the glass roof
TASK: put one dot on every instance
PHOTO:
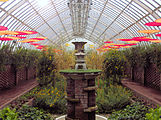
(107, 19)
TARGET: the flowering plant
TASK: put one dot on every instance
(46, 68)
(114, 65)
(51, 99)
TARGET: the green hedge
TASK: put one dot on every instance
(143, 56)
(18, 57)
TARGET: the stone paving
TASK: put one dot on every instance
(152, 95)
(9, 95)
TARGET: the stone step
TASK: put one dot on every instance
(91, 109)
(74, 100)
(91, 88)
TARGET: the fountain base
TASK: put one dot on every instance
(98, 117)
(81, 97)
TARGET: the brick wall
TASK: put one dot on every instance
(138, 74)
(83, 97)
(31, 73)
(21, 75)
(9, 78)
(152, 77)
(70, 93)
(149, 76)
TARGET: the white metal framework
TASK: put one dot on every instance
(79, 12)
(58, 19)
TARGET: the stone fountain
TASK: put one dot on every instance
(81, 88)
(80, 61)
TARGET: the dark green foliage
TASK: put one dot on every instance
(20, 57)
(5, 56)
(143, 56)
(154, 114)
(32, 113)
(25, 58)
(134, 55)
(135, 111)
(60, 83)
(8, 114)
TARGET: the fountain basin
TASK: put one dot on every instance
(80, 74)
(98, 117)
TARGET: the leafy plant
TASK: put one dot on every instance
(60, 82)
(94, 60)
(114, 65)
(135, 111)
(8, 114)
(65, 60)
(24, 58)
(46, 68)
(32, 113)
(51, 99)
(19, 57)
(112, 97)
(143, 56)
(154, 114)
(5, 56)
(135, 56)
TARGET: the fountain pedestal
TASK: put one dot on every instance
(81, 98)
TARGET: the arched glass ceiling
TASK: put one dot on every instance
(108, 19)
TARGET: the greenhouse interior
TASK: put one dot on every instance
(80, 60)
